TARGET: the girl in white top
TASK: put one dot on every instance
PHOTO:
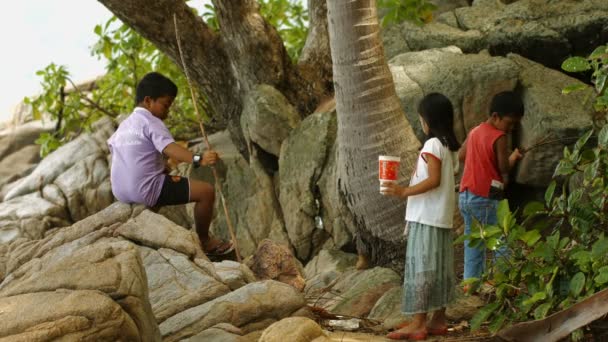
(429, 263)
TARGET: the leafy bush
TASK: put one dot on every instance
(396, 11)
(289, 17)
(597, 62)
(128, 57)
(558, 254)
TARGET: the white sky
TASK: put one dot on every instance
(38, 32)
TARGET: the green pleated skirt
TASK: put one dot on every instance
(429, 279)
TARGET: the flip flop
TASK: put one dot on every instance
(222, 248)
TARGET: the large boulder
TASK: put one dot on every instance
(527, 27)
(468, 80)
(551, 119)
(252, 307)
(304, 155)
(14, 138)
(18, 164)
(268, 118)
(68, 185)
(471, 80)
(250, 196)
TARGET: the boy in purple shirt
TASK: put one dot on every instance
(138, 168)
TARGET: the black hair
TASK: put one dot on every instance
(438, 113)
(154, 85)
(507, 103)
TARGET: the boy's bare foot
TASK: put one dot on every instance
(362, 262)
(413, 331)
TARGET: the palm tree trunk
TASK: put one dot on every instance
(371, 122)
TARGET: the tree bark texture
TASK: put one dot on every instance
(371, 122)
(224, 65)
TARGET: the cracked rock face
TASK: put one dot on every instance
(104, 278)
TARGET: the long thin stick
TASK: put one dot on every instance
(200, 123)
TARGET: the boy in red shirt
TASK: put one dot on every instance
(486, 172)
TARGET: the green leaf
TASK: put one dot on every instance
(599, 52)
(564, 167)
(535, 298)
(530, 237)
(461, 239)
(582, 141)
(549, 192)
(577, 283)
(533, 208)
(491, 231)
(497, 323)
(602, 137)
(542, 310)
(600, 82)
(602, 277)
(482, 315)
(504, 215)
(600, 248)
(553, 240)
(576, 64)
(573, 87)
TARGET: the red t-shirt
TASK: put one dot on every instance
(480, 164)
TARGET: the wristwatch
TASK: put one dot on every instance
(196, 160)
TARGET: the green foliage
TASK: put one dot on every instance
(128, 57)
(597, 61)
(416, 11)
(69, 110)
(289, 17)
(558, 253)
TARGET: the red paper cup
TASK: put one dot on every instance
(388, 169)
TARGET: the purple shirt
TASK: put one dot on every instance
(137, 172)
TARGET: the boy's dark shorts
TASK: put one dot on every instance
(176, 190)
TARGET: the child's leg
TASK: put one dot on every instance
(474, 258)
(438, 321)
(204, 195)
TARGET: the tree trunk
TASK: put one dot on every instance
(224, 65)
(371, 122)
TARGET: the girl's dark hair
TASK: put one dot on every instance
(155, 85)
(438, 113)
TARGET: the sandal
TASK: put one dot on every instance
(221, 248)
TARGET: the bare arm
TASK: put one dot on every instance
(462, 152)
(505, 160)
(432, 181)
(184, 155)
(502, 158)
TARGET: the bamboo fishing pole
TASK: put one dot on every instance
(200, 123)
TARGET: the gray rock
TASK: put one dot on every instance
(85, 146)
(268, 118)
(234, 274)
(176, 283)
(303, 158)
(468, 80)
(265, 302)
(14, 138)
(330, 261)
(18, 164)
(294, 329)
(526, 27)
(549, 115)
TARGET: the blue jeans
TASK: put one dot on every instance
(484, 210)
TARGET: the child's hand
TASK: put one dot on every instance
(209, 158)
(392, 189)
(515, 156)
